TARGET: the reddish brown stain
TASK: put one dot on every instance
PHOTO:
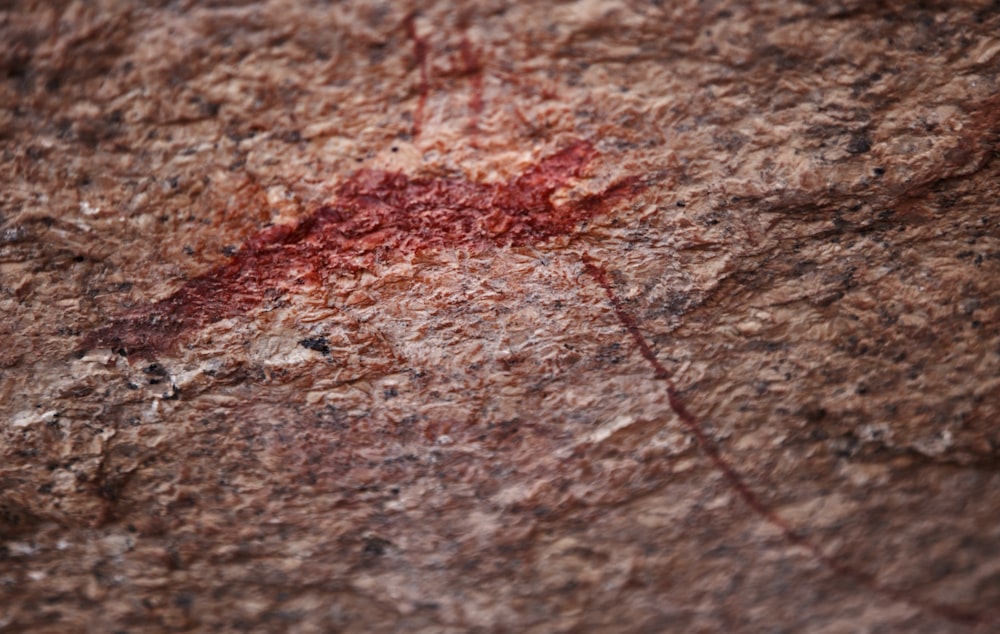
(468, 66)
(712, 450)
(374, 215)
(420, 51)
(474, 69)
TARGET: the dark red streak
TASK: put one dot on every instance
(711, 449)
(375, 216)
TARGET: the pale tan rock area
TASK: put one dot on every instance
(469, 436)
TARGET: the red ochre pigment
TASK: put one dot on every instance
(379, 214)
(474, 70)
(721, 464)
(420, 51)
(375, 215)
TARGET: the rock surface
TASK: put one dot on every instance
(619, 316)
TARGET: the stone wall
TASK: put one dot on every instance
(488, 316)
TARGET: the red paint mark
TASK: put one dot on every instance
(738, 484)
(420, 51)
(375, 215)
(474, 69)
(468, 65)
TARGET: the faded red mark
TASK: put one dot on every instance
(737, 483)
(474, 69)
(467, 65)
(374, 215)
(420, 52)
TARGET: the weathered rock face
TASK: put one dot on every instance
(594, 316)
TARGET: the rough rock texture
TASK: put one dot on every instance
(455, 429)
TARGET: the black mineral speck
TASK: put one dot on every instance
(318, 344)
(155, 369)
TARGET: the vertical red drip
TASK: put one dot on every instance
(714, 453)
(420, 51)
(474, 69)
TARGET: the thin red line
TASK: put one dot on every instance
(736, 481)
(420, 50)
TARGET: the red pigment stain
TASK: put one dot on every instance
(474, 69)
(711, 449)
(375, 215)
(420, 51)
(471, 67)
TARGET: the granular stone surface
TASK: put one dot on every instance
(499, 317)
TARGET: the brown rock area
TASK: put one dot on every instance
(499, 317)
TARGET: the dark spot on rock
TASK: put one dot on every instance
(859, 144)
(155, 369)
(317, 344)
(210, 108)
(814, 413)
(375, 546)
(804, 267)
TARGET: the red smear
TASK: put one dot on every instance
(738, 484)
(375, 215)
(420, 51)
(474, 69)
